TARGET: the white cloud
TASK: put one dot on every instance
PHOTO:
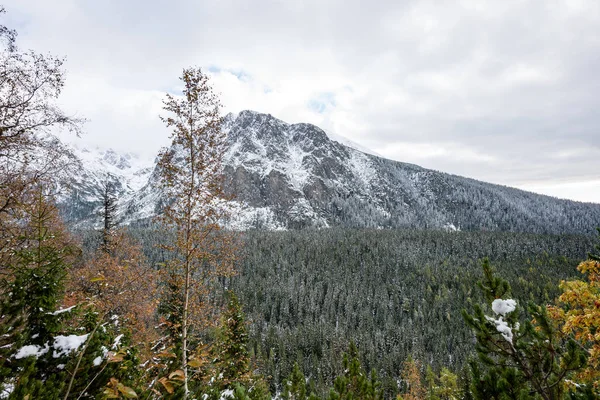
(499, 91)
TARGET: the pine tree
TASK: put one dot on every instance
(596, 256)
(191, 177)
(107, 362)
(108, 213)
(519, 358)
(231, 347)
(411, 378)
(34, 287)
(295, 386)
(354, 383)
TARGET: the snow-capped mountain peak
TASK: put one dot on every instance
(296, 175)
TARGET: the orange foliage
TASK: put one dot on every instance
(121, 285)
(578, 314)
(412, 377)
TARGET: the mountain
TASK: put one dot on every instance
(288, 176)
(85, 174)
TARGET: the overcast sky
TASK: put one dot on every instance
(502, 91)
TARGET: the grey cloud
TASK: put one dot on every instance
(516, 81)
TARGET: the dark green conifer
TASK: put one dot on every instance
(596, 256)
(231, 351)
(354, 383)
(296, 388)
(518, 358)
(29, 321)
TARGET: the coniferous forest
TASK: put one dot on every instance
(184, 308)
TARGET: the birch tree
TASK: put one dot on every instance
(191, 177)
(30, 84)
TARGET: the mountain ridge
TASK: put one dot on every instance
(292, 176)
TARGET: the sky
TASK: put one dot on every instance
(501, 91)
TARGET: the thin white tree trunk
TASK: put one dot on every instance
(184, 333)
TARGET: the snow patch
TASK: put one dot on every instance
(244, 217)
(7, 390)
(362, 168)
(450, 227)
(226, 394)
(64, 310)
(117, 341)
(503, 307)
(31, 350)
(64, 345)
(503, 328)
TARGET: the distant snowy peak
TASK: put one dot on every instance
(129, 168)
(249, 117)
(303, 153)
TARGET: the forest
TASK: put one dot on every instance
(183, 308)
(394, 293)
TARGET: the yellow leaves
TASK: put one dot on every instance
(177, 375)
(116, 390)
(202, 357)
(195, 363)
(167, 385)
(166, 354)
(175, 378)
(116, 357)
(99, 278)
(592, 269)
(578, 314)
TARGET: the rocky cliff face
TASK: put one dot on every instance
(287, 176)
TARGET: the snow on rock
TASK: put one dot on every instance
(63, 345)
(31, 350)
(278, 168)
(362, 167)
(503, 307)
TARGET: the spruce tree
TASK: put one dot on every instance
(596, 255)
(30, 321)
(108, 213)
(354, 383)
(231, 349)
(295, 386)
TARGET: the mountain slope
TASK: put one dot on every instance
(287, 176)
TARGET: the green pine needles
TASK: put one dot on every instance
(522, 355)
